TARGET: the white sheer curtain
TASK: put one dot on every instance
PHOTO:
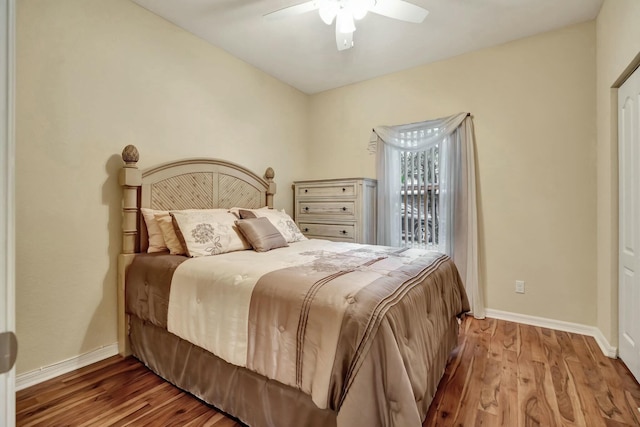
(457, 211)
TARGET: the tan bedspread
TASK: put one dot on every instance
(314, 324)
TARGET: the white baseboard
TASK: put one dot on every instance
(45, 373)
(577, 328)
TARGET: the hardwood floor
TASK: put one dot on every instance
(502, 374)
(509, 374)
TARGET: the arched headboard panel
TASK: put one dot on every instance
(202, 184)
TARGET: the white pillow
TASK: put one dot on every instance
(156, 238)
(209, 233)
(283, 222)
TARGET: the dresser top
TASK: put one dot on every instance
(311, 181)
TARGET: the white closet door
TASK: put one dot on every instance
(629, 245)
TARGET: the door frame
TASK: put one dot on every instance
(7, 199)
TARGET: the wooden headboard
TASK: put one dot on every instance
(184, 184)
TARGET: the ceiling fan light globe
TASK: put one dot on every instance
(328, 11)
(344, 21)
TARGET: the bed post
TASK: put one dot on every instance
(270, 174)
(130, 180)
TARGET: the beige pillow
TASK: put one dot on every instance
(156, 238)
(169, 233)
(283, 222)
(261, 234)
(209, 232)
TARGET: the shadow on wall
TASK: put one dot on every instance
(104, 319)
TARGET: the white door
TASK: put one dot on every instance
(629, 245)
(7, 300)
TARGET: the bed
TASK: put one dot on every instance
(303, 333)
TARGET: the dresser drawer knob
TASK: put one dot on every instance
(343, 232)
(344, 209)
(306, 191)
(306, 208)
(306, 230)
(344, 189)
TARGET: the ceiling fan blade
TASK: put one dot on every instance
(399, 9)
(292, 10)
(344, 41)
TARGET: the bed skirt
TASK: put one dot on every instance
(250, 397)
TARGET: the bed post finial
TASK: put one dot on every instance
(130, 180)
(270, 174)
(130, 155)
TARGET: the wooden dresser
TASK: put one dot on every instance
(337, 209)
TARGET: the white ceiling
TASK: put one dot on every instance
(301, 50)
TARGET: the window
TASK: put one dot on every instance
(420, 193)
(427, 192)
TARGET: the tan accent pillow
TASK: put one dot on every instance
(283, 222)
(246, 214)
(209, 232)
(156, 238)
(236, 210)
(169, 233)
(262, 235)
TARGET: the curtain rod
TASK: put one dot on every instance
(468, 115)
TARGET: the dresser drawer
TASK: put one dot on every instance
(347, 189)
(343, 232)
(344, 209)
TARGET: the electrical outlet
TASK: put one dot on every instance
(520, 286)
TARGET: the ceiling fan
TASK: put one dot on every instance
(346, 11)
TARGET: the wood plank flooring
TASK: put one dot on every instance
(502, 374)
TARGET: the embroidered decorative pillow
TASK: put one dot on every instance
(283, 222)
(209, 233)
(262, 235)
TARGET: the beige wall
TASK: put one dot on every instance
(533, 103)
(618, 43)
(93, 76)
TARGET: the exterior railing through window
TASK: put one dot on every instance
(420, 196)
